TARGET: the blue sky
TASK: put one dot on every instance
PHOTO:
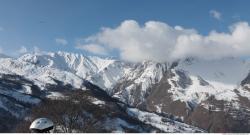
(39, 23)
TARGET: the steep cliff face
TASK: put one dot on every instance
(32, 79)
(193, 89)
(103, 72)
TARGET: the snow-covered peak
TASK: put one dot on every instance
(39, 75)
(222, 76)
(104, 72)
(206, 78)
(81, 65)
(102, 63)
(229, 71)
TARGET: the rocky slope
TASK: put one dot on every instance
(32, 79)
(213, 95)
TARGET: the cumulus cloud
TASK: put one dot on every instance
(215, 14)
(160, 42)
(36, 50)
(22, 50)
(93, 48)
(61, 41)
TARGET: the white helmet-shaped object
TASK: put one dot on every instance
(41, 125)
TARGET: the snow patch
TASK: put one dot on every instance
(162, 123)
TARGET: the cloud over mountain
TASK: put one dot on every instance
(160, 42)
(93, 48)
(22, 50)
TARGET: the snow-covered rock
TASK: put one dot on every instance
(102, 72)
(158, 87)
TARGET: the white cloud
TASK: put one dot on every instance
(36, 50)
(22, 50)
(93, 48)
(215, 14)
(61, 41)
(160, 42)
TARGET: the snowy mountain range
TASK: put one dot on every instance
(213, 95)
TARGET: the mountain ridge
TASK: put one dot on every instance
(182, 88)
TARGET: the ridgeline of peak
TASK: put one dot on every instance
(182, 88)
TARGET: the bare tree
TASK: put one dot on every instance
(75, 113)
